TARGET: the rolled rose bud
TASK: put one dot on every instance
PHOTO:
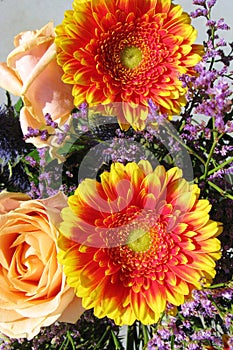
(32, 72)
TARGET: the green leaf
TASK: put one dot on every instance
(18, 105)
(118, 345)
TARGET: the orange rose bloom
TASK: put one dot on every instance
(32, 72)
(127, 52)
(33, 291)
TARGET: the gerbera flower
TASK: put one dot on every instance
(136, 240)
(127, 51)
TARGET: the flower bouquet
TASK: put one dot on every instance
(116, 181)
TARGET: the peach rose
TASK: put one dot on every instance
(32, 72)
(33, 291)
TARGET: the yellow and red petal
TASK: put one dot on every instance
(154, 246)
(104, 30)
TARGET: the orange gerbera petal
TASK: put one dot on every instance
(136, 240)
(128, 51)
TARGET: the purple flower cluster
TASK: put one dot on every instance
(211, 96)
(209, 93)
(201, 323)
(203, 132)
(124, 149)
(204, 10)
(51, 129)
(43, 134)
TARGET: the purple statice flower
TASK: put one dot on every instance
(124, 149)
(230, 343)
(154, 116)
(33, 163)
(44, 135)
(45, 176)
(199, 2)
(60, 137)
(81, 112)
(208, 306)
(5, 346)
(67, 190)
(211, 3)
(202, 335)
(34, 191)
(224, 150)
(215, 96)
(62, 134)
(164, 333)
(200, 305)
(42, 154)
(66, 128)
(199, 12)
(47, 130)
(158, 343)
(226, 293)
(221, 24)
(221, 173)
(31, 133)
(194, 346)
(189, 308)
(211, 23)
(221, 42)
(49, 121)
(207, 336)
(229, 321)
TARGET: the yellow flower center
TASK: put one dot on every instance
(131, 56)
(139, 240)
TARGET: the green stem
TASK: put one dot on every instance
(212, 37)
(63, 344)
(130, 338)
(71, 340)
(214, 286)
(102, 338)
(220, 190)
(216, 139)
(220, 166)
(145, 334)
(220, 312)
(191, 151)
(118, 345)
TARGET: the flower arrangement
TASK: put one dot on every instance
(116, 181)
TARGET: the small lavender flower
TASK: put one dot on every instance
(31, 161)
(199, 2)
(221, 24)
(230, 343)
(42, 154)
(31, 133)
(193, 346)
(49, 121)
(211, 3)
(44, 135)
(199, 13)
